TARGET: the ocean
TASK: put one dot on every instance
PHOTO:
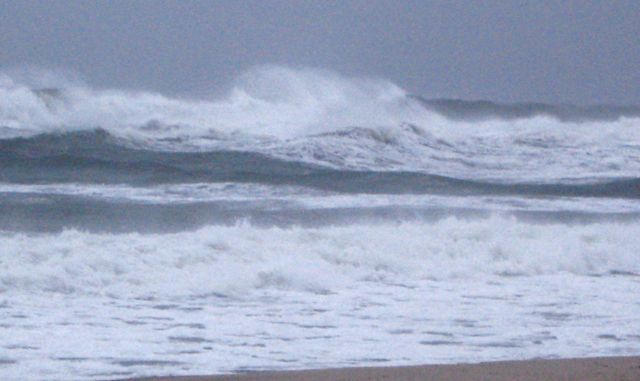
(306, 219)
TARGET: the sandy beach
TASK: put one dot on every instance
(586, 369)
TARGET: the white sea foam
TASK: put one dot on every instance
(238, 260)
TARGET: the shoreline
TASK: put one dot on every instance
(575, 369)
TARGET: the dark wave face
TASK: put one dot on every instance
(97, 157)
(458, 109)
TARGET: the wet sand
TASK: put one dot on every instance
(587, 369)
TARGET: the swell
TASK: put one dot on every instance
(458, 109)
(54, 213)
(98, 157)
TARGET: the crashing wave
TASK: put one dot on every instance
(323, 118)
(244, 258)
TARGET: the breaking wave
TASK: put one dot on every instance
(325, 119)
(238, 259)
(267, 100)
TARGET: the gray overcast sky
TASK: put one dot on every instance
(553, 51)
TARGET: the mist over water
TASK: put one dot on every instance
(314, 211)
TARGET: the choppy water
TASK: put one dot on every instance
(309, 220)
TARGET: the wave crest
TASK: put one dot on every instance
(266, 100)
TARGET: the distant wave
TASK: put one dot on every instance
(458, 109)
